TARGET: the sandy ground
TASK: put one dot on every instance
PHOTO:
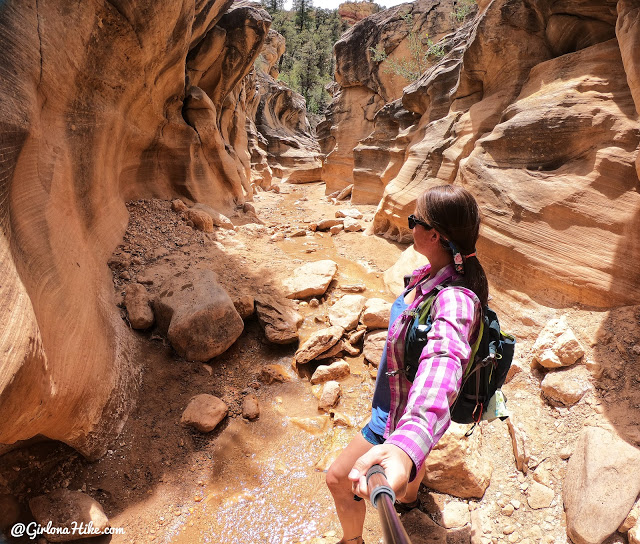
(257, 482)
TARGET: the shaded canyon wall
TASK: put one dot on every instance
(101, 103)
(534, 108)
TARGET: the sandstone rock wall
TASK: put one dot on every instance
(366, 85)
(535, 110)
(140, 99)
(284, 135)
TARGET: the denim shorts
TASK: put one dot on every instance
(371, 436)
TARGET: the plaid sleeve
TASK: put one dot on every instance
(455, 312)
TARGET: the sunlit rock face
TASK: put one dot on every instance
(352, 12)
(284, 136)
(365, 85)
(141, 99)
(534, 109)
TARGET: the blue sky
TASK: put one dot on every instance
(333, 4)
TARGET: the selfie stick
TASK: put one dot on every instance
(383, 497)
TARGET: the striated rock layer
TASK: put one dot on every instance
(142, 99)
(365, 85)
(534, 109)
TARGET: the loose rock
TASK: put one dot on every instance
(250, 407)
(319, 342)
(326, 224)
(556, 345)
(455, 465)
(540, 496)
(274, 373)
(66, 509)
(201, 220)
(330, 396)
(335, 371)
(244, 305)
(218, 219)
(351, 213)
(204, 412)
(311, 279)
(178, 206)
(376, 314)
(456, 514)
(346, 312)
(137, 303)
(374, 342)
(566, 386)
(279, 321)
(352, 225)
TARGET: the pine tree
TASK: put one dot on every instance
(303, 10)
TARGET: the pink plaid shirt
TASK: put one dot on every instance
(419, 413)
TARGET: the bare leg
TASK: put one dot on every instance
(413, 487)
(350, 512)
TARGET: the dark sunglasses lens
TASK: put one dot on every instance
(412, 222)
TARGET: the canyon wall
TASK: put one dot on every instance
(533, 108)
(365, 85)
(101, 103)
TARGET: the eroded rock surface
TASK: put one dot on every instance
(534, 109)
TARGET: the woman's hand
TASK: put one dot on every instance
(396, 463)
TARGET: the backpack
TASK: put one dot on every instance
(490, 360)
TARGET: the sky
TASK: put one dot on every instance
(333, 4)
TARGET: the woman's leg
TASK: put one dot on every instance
(413, 487)
(350, 512)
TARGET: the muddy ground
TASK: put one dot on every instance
(258, 482)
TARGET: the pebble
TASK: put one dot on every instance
(508, 510)
(509, 529)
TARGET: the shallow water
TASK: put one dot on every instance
(266, 483)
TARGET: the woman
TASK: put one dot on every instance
(408, 418)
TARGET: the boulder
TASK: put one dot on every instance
(138, 305)
(319, 342)
(566, 386)
(250, 407)
(66, 510)
(374, 342)
(217, 219)
(376, 314)
(330, 396)
(456, 466)
(336, 229)
(204, 412)
(279, 321)
(346, 311)
(634, 534)
(408, 261)
(601, 485)
(335, 371)
(556, 345)
(310, 279)
(197, 315)
(201, 220)
(178, 205)
(9, 512)
(421, 529)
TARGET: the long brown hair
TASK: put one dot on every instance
(453, 212)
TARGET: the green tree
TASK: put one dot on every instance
(273, 6)
(303, 10)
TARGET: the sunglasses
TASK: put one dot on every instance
(413, 221)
